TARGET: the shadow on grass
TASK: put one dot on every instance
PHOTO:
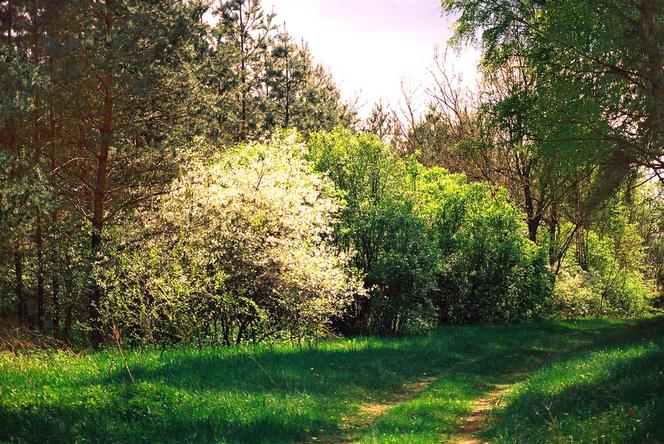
(277, 394)
(611, 394)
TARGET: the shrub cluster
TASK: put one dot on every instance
(286, 239)
(239, 250)
(433, 247)
(611, 282)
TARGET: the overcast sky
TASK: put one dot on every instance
(371, 45)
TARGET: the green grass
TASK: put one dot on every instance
(285, 394)
(612, 393)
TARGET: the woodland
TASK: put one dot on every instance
(183, 182)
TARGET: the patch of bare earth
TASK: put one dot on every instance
(368, 412)
(372, 410)
(468, 430)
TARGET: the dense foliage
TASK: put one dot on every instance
(239, 249)
(186, 173)
(489, 270)
(433, 247)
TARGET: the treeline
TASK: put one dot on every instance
(567, 117)
(98, 100)
(149, 194)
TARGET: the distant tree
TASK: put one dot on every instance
(381, 122)
(600, 77)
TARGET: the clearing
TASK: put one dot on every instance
(561, 380)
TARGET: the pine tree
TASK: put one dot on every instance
(245, 30)
(121, 84)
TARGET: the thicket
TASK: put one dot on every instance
(238, 250)
(149, 194)
(433, 247)
(286, 240)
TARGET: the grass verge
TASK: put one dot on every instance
(284, 394)
(610, 393)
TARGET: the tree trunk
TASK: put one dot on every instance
(553, 223)
(69, 296)
(96, 336)
(580, 237)
(532, 219)
(55, 299)
(22, 310)
(243, 80)
(361, 324)
(36, 145)
(533, 225)
(66, 333)
(99, 201)
(287, 114)
(581, 248)
(39, 245)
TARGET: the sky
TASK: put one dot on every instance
(371, 46)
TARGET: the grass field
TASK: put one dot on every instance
(581, 381)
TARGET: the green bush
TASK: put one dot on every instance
(489, 271)
(609, 286)
(378, 226)
(402, 276)
(431, 246)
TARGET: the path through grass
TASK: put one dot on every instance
(610, 393)
(284, 394)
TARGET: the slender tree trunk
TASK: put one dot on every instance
(22, 309)
(532, 219)
(39, 245)
(99, 200)
(243, 80)
(56, 258)
(362, 320)
(580, 237)
(69, 319)
(553, 223)
(98, 225)
(533, 225)
(68, 281)
(36, 146)
(55, 299)
(581, 248)
(287, 116)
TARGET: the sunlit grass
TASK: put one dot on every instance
(614, 393)
(278, 393)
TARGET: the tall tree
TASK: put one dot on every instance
(599, 65)
(246, 29)
(121, 122)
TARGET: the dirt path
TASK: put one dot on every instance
(372, 410)
(468, 429)
(351, 428)
(465, 432)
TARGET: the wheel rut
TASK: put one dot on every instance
(469, 429)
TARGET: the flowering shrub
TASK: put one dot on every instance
(242, 252)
